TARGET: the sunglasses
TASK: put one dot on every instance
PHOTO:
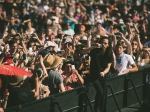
(104, 43)
(134, 43)
(68, 66)
(99, 24)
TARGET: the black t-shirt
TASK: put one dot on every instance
(23, 18)
(19, 96)
(98, 62)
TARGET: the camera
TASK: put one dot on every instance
(38, 72)
(117, 33)
(24, 56)
(32, 35)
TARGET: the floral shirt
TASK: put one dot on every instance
(73, 81)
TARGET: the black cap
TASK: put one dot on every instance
(44, 52)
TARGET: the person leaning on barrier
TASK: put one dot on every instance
(54, 79)
(124, 62)
(101, 60)
(18, 94)
(71, 77)
(39, 70)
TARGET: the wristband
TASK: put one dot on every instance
(42, 63)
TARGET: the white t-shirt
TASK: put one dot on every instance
(126, 63)
(69, 32)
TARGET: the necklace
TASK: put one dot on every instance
(119, 59)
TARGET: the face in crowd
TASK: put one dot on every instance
(105, 44)
(146, 54)
(119, 49)
(68, 68)
(134, 45)
(82, 28)
(68, 26)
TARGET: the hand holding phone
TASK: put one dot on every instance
(72, 66)
(24, 56)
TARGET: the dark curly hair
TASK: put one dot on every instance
(109, 49)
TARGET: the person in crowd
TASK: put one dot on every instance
(54, 80)
(40, 70)
(59, 69)
(42, 35)
(82, 31)
(24, 17)
(123, 61)
(73, 30)
(49, 32)
(16, 91)
(143, 59)
(136, 46)
(69, 51)
(55, 25)
(101, 60)
(30, 30)
(71, 77)
(101, 31)
(84, 66)
(13, 25)
(68, 30)
(70, 19)
(86, 20)
(124, 41)
(92, 18)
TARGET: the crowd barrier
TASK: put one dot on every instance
(122, 91)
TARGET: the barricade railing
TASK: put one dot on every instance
(120, 94)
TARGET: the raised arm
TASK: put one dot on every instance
(87, 50)
(139, 42)
(114, 42)
(36, 94)
(80, 79)
(43, 67)
(135, 27)
(129, 47)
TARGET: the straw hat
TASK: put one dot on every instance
(51, 61)
(15, 80)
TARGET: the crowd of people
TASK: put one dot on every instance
(69, 43)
